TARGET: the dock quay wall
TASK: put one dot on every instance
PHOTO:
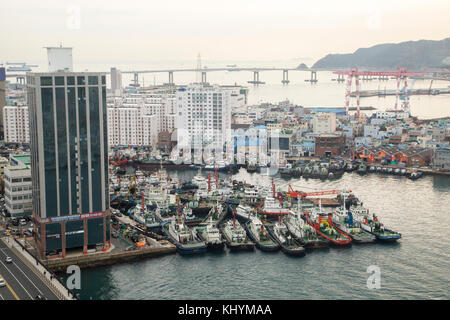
(95, 260)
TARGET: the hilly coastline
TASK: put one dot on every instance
(415, 55)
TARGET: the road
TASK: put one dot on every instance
(22, 283)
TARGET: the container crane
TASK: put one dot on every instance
(400, 75)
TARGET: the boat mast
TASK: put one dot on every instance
(234, 218)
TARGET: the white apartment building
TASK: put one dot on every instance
(116, 82)
(204, 117)
(18, 189)
(15, 124)
(136, 119)
(324, 123)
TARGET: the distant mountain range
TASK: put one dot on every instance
(415, 55)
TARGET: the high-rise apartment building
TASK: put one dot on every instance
(15, 124)
(204, 117)
(116, 82)
(69, 160)
(137, 119)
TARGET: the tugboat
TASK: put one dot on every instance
(235, 236)
(182, 237)
(211, 236)
(343, 220)
(289, 245)
(373, 226)
(258, 233)
(325, 228)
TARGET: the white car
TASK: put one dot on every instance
(2, 283)
(8, 260)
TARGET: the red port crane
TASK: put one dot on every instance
(295, 194)
(400, 74)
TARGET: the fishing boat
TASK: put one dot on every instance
(350, 167)
(210, 234)
(362, 169)
(343, 220)
(415, 175)
(324, 226)
(258, 233)
(307, 172)
(189, 218)
(251, 168)
(244, 212)
(286, 171)
(303, 232)
(182, 236)
(288, 244)
(235, 236)
(142, 214)
(296, 172)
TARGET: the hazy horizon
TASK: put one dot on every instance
(139, 31)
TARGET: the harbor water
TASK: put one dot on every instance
(414, 268)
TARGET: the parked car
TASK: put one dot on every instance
(2, 283)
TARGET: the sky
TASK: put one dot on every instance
(109, 31)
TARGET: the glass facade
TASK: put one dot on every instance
(49, 152)
(68, 122)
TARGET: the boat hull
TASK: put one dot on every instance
(331, 241)
(261, 246)
(182, 248)
(289, 250)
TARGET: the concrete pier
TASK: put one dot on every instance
(158, 249)
(313, 77)
(256, 78)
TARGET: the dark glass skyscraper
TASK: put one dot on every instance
(69, 160)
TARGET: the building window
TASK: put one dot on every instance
(46, 81)
(59, 81)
